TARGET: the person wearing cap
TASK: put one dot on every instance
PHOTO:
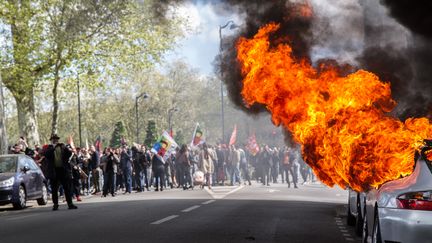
(59, 170)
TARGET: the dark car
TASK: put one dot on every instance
(21, 180)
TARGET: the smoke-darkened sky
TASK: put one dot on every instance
(389, 38)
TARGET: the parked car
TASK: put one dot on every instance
(401, 210)
(21, 180)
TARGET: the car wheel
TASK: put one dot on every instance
(359, 221)
(44, 199)
(21, 199)
(365, 229)
(376, 235)
(351, 220)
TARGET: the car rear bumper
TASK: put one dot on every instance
(402, 225)
(6, 195)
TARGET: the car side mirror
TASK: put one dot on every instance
(25, 169)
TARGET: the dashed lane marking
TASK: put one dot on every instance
(165, 219)
(208, 202)
(190, 209)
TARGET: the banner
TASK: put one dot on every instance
(197, 137)
(98, 144)
(252, 145)
(164, 146)
(233, 136)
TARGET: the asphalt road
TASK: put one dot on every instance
(254, 213)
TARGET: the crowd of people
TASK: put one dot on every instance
(81, 171)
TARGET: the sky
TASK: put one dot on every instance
(200, 47)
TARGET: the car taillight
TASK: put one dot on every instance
(415, 201)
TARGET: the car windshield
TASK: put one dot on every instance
(8, 164)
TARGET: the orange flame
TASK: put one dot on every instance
(341, 122)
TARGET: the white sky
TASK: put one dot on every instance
(199, 48)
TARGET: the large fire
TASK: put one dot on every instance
(347, 137)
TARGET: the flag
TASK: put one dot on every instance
(70, 141)
(252, 145)
(98, 144)
(233, 136)
(122, 141)
(197, 137)
(164, 146)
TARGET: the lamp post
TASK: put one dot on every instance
(144, 96)
(231, 25)
(170, 113)
(79, 111)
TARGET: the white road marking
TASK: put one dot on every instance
(190, 208)
(344, 231)
(208, 202)
(165, 219)
(346, 235)
(349, 239)
(221, 192)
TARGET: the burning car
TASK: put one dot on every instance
(401, 210)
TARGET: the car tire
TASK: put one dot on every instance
(359, 220)
(365, 229)
(376, 234)
(22, 199)
(351, 219)
(44, 199)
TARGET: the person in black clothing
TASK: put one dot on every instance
(76, 175)
(110, 166)
(58, 156)
(158, 166)
(138, 168)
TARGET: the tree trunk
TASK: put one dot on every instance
(3, 133)
(54, 123)
(27, 121)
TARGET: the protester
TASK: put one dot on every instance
(59, 170)
(234, 165)
(206, 165)
(110, 164)
(244, 166)
(126, 166)
(183, 161)
(158, 166)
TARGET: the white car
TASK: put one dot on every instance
(401, 210)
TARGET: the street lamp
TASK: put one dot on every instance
(144, 96)
(232, 26)
(170, 113)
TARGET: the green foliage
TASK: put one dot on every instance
(118, 134)
(151, 133)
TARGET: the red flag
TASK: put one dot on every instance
(252, 145)
(98, 144)
(233, 136)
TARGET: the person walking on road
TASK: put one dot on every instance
(59, 170)
(234, 165)
(111, 162)
(206, 164)
(244, 166)
(158, 166)
(126, 166)
(94, 166)
(183, 161)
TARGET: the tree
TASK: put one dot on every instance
(54, 40)
(151, 133)
(3, 133)
(118, 135)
